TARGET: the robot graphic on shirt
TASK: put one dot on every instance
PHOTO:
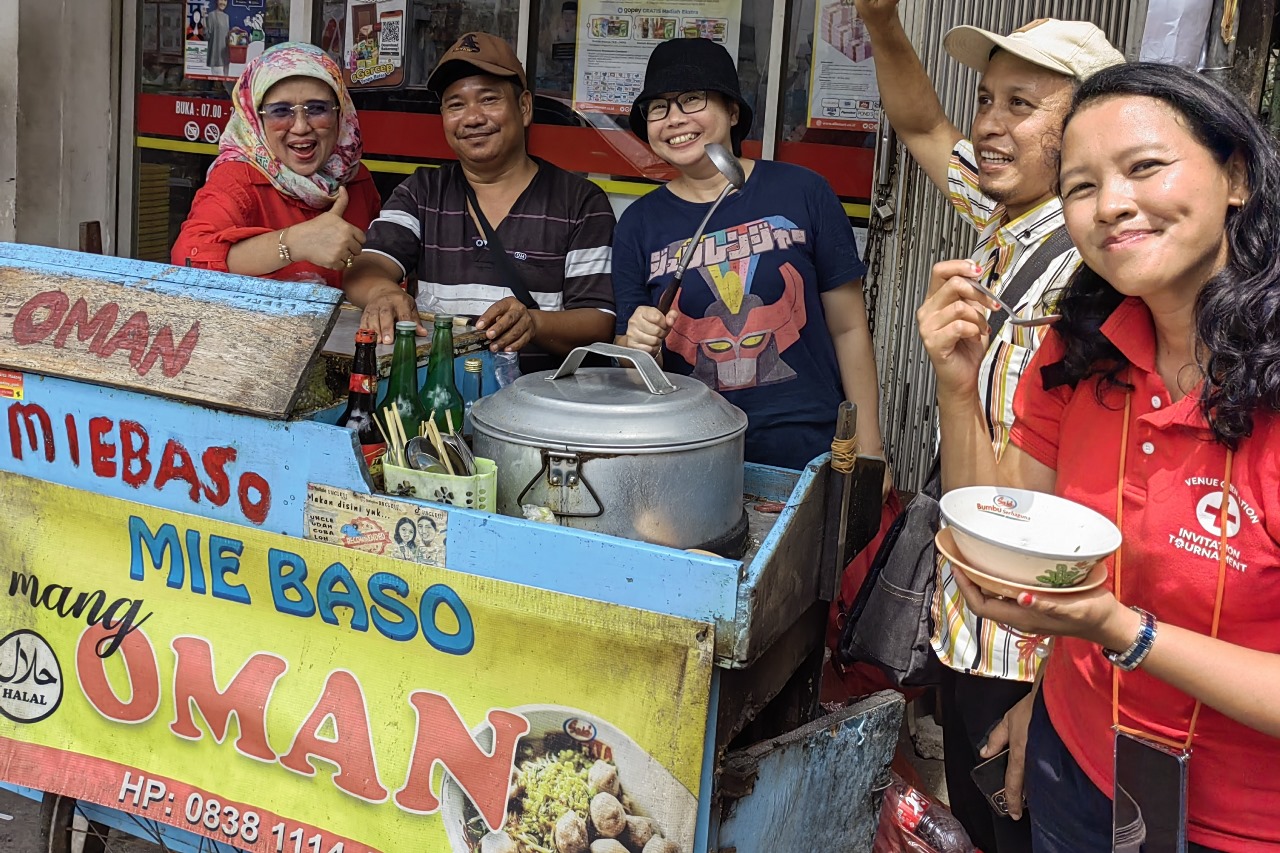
(739, 340)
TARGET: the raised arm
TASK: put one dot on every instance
(907, 93)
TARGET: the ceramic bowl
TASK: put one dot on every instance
(1008, 589)
(1029, 538)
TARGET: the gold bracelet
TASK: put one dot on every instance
(284, 250)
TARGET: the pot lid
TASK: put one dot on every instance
(608, 408)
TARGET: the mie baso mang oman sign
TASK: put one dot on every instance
(278, 694)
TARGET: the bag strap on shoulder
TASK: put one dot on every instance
(1032, 268)
(515, 281)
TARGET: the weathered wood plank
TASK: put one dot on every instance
(241, 345)
(814, 788)
(782, 580)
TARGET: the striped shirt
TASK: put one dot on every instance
(558, 234)
(963, 641)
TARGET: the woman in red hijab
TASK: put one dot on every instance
(287, 197)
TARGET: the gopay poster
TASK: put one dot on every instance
(615, 40)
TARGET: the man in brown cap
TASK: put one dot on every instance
(511, 239)
(1003, 182)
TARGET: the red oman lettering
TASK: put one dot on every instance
(336, 731)
(52, 313)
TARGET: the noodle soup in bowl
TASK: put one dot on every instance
(563, 763)
(1032, 539)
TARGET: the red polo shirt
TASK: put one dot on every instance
(1172, 501)
(238, 202)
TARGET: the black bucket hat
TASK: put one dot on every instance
(683, 64)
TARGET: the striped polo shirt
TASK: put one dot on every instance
(963, 641)
(558, 234)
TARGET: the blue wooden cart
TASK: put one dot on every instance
(199, 403)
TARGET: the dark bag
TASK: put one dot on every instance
(890, 623)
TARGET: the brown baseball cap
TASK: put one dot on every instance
(476, 53)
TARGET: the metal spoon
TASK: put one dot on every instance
(417, 452)
(456, 446)
(728, 166)
(1014, 319)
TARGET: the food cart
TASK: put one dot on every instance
(214, 629)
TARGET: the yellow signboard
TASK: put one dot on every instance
(281, 694)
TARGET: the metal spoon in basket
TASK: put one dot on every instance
(1014, 319)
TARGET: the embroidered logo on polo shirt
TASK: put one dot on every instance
(1208, 512)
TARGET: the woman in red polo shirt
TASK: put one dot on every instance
(1162, 384)
(287, 196)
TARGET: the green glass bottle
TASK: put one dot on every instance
(402, 385)
(440, 392)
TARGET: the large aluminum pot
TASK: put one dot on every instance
(634, 453)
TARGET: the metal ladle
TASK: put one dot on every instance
(728, 166)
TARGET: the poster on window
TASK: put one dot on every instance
(842, 77)
(222, 37)
(373, 51)
(615, 40)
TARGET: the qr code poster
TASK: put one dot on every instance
(374, 49)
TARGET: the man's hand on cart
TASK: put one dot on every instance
(373, 283)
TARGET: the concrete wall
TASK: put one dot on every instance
(66, 119)
(8, 118)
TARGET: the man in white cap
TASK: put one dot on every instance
(1003, 181)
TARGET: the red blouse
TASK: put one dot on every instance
(238, 202)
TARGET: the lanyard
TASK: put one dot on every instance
(1119, 566)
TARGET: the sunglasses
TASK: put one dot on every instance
(318, 114)
(688, 102)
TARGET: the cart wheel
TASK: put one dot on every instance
(58, 832)
(56, 815)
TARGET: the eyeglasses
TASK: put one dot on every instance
(688, 102)
(318, 114)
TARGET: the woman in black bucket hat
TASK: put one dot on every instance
(677, 64)
(770, 312)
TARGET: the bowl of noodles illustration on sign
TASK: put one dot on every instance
(578, 785)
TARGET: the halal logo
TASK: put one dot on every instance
(468, 43)
(1004, 502)
(1209, 513)
(30, 677)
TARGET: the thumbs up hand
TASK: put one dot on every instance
(328, 240)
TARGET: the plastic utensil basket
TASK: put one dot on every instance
(479, 491)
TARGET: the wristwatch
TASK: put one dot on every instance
(1132, 657)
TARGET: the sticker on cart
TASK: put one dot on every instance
(30, 676)
(376, 525)
(10, 385)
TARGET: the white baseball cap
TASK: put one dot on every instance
(1073, 48)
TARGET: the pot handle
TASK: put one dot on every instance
(654, 379)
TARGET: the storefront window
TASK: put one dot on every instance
(843, 155)
(602, 144)
(184, 100)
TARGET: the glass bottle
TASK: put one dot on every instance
(472, 390)
(439, 391)
(402, 385)
(362, 404)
